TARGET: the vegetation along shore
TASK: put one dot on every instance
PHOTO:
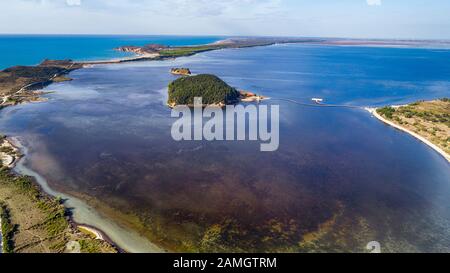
(33, 221)
(428, 121)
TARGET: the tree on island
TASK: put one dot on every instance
(210, 88)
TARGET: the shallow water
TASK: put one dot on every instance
(339, 180)
(84, 214)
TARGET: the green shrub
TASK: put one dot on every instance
(7, 229)
(186, 51)
(89, 246)
(387, 111)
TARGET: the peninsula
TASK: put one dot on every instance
(165, 52)
(428, 121)
(34, 222)
(20, 84)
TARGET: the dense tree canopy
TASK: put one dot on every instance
(209, 87)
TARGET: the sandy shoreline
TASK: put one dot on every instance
(136, 58)
(98, 234)
(86, 216)
(373, 111)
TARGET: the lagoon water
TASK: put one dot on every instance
(339, 180)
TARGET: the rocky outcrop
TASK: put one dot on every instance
(246, 96)
(142, 50)
(181, 71)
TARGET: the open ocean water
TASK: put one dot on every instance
(33, 49)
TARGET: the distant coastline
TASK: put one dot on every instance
(389, 43)
(81, 47)
(19, 84)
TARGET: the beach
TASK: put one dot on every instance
(373, 111)
(86, 216)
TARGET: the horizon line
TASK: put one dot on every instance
(230, 36)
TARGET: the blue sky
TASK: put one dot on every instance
(326, 18)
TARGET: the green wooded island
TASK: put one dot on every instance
(210, 88)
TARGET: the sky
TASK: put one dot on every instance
(412, 19)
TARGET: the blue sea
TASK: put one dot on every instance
(339, 180)
(33, 49)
